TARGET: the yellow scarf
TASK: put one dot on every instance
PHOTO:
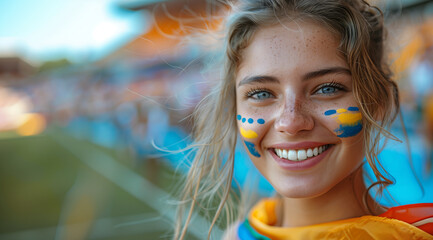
(262, 218)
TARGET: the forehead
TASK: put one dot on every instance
(290, 48)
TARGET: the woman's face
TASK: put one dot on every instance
(297, 114)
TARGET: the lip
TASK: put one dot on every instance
(300, 145)
(299, 165)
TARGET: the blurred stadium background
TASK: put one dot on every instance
(79, 118)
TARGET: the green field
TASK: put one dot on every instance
(56, 187)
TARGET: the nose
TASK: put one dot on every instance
(294, 118)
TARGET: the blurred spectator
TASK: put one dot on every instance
(421, 76)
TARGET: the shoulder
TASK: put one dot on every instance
(419, 215)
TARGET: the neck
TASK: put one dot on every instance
(343, 201)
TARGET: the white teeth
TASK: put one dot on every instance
(292, 155)
(284, 155)
(301, 154)
(315, 151)
(310, 153)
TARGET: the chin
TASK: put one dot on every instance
(301, 191)
(299, 186)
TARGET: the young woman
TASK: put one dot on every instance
(307, 90)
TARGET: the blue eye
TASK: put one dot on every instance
(329, 88)
(259, 94)
(262, 95)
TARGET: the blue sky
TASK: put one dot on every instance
(76, 29)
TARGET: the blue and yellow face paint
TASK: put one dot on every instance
(250, 120)
(252, 148)
(350, 121)
(250, 134)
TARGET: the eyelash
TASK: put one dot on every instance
(250, 94)
(333, 84)
(253, 91)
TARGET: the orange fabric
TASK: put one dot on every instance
(267, 206)
(262, 218)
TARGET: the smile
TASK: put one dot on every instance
(300, 154)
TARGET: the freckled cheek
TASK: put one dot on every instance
(331, 123)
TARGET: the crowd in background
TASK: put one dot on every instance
(148, 102)
(144, 104)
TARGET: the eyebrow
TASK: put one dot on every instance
(258, 79)
(326, 71)
(310, 75)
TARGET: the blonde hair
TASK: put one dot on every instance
(361, 31)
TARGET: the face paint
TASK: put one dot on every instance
(349, 119)
(330, 112)
(248, 134)
(250, 120)
(252, 149)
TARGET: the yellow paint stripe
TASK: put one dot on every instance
(349, 118)
(341, 110)
(248, 134)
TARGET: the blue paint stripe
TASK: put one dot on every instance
(239, 117)
(252, 149)
(353, 109)
(260, 121)
(250, 120)
(330, 112)
(349, 131)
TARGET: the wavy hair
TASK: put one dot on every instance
(360, 29)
